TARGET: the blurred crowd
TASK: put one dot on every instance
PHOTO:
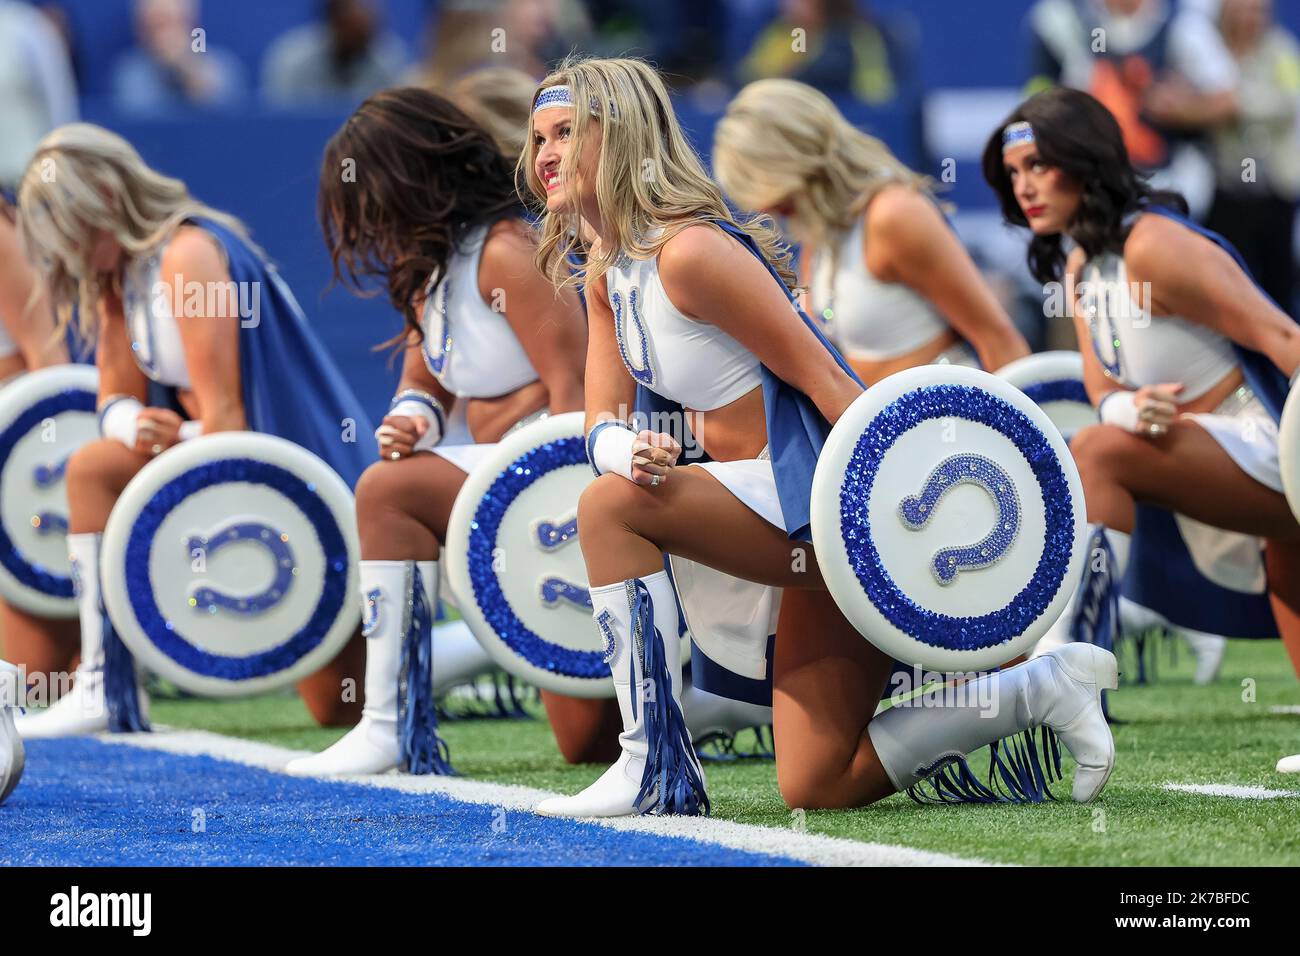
(1207, 91)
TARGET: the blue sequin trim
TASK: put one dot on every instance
(917, 510)
(485, 524)
(930, 627)
(438, 363)
(1058, 390)
(166, 636)
(603, 621)
(644, 373)
(370, 613)
(34, 575)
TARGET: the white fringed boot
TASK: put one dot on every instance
(11, 745)
(398, 727)
(106, 692)
(657, 771)
(1061, 690)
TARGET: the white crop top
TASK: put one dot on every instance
(468, 346)
(866, 318)
(693, 363)
(150, 322)
(1136, 348)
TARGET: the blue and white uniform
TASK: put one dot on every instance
(1195, 575)
(305, 408)
(701, 368)
(469, 347)
(871, 320)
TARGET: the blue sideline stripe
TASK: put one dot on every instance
(83, 802)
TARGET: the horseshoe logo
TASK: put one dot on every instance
(550, 536)
(206, 598)
(917, 510)
(643, 373)
(554, 534)
(554, 590)
(46, 475)
(46, 522)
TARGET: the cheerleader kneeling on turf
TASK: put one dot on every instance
(126, 246)
(487, 344)
(686, 306)
(887, 276)
(1185, 357)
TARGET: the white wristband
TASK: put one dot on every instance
(413, 408)
(612, 449)
(117, 419)
(1120, 408)
(189, 429)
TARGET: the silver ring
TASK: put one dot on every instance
(394, 455)
(654, 480)
(156, 449)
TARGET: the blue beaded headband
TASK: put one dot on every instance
(1017, 134)
(553, 96)
(562, 96)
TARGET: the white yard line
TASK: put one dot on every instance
(806, 847)
(1285, 709)
(1231, 790)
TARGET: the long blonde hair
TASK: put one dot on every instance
(650, 185)
(83, 180)
(783, 141)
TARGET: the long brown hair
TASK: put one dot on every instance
(404, 180)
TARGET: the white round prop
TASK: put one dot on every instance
(45, 416)
(513, 561)
(1054, 380)
(1288, 450)
(229, 564)
(948, 518)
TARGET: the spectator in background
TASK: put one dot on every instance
(525, 35)
(1257, 156)
(173, 66)
(37, 91)
(838, 50)
(346, 55)
(1165, 76)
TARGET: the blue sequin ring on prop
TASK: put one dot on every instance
(514, 563)
(229, 564)
(44, 417)
(948, 518)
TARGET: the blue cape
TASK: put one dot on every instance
(1161, 574)
(796, 430)
(291, 387)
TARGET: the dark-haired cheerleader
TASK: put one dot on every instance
(1188, 363)
(417, 194)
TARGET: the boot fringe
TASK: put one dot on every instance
(1016, 773)
(722, 748)
(422, 749)
(121, 689)
(505, 700)
(673, 781)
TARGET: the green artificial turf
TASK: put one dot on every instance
(1173, 731)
